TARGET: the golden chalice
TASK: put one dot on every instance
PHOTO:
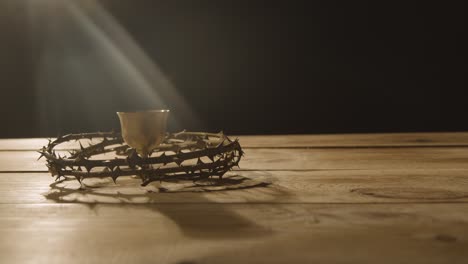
(144, 131)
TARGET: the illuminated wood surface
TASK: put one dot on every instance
(383, 198)
(302, 141)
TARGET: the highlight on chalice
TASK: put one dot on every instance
(144, 149)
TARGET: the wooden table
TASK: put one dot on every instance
(382, 198)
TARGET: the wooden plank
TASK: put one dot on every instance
(305, 159)
(394, 205)
(301, 141)
(235, 233)
(32, 144)
(356, 140)
(370, 186)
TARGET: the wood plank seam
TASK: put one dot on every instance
(304, 147)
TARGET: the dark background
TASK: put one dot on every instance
(266, 67)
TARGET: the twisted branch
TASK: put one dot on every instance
(176, 149)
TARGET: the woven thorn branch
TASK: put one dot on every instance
(182, 156)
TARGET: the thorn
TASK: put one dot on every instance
(115, 174)
(199, 161)
(78, 178)
(81, 146)
(42, 154)
(211, 157)
(220, 144)
(79, 168)
(164, 157)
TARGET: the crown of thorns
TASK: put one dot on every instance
(182, 156)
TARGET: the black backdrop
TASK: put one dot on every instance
(271, 67)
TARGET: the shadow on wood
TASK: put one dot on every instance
(215, 221)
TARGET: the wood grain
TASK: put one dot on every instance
(301, 141)
(369, 186)
(234, 233)
(356, 140)
(305, 159)
(381, 198)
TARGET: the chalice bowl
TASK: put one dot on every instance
(145, 130)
